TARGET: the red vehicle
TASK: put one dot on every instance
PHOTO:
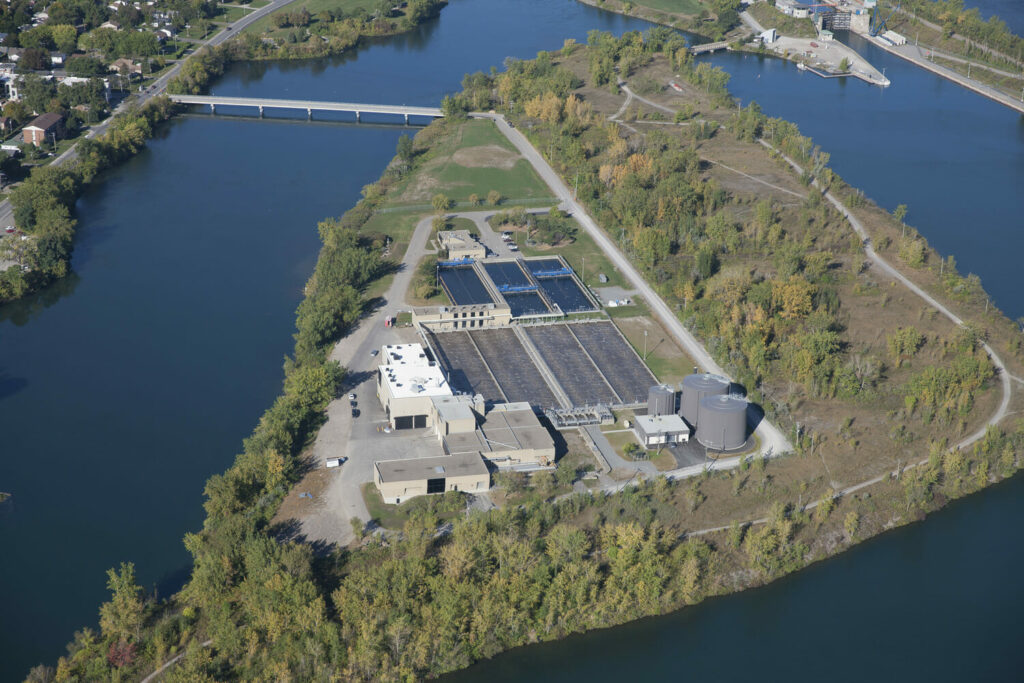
(814, 44)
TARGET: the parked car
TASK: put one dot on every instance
(374, 352)
(355, 412)
(351, 397)
(9, 228)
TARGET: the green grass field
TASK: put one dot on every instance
(673, 6)
(314, 7)
(474, 158)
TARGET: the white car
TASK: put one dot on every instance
(351, 397)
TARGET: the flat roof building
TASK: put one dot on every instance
(660, 430)
(407, 381)
(468, 317)
(508, 435)
(399, 480)
(461, 244)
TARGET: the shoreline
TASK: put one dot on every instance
(950, 75)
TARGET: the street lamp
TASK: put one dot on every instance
(645, 346)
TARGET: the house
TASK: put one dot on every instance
(113, 26)
(660, 430)
(164, 34)
(6, 124)
(126, 66)
(48, 126)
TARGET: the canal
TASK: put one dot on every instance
(123, 388)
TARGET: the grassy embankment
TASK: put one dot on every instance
(992, 44)
(769, 17)
(711, 19)
(423, 604)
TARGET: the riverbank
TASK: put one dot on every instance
(914, 55)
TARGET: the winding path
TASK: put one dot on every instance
(1005, 377)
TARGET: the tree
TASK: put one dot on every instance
(900, 213)
(65, 38)
(441, 203)
(404, 149)
(844, 65)
(121, 618)
(494, 198)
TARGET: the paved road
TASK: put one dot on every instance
(772, 439)
(355, 438)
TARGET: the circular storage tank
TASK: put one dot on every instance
(661, 400)
(697, 386)
(722, 423)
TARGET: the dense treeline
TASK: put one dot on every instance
(44, 203)
(954, 18)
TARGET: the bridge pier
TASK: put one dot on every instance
(213, 108)
(261, 111)
(357, 116)
(309, 114)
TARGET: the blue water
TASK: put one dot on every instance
(954, 158)
(124, 387)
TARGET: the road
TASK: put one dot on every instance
(772, 439)
(357, 438)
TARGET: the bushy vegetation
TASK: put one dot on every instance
(955, 18)
(44, 203)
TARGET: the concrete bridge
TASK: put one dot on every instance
(709, 47)
(308, 105)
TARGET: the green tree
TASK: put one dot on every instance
(121, 617)
(441, 203)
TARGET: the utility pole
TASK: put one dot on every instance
(645, 346)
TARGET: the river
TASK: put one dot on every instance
(123, 388)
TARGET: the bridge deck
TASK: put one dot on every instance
(308, 105)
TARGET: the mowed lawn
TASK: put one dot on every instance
(314, 7)
(473, 158)
(674, 6)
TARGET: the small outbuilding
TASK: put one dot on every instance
(460, 244)
(400, 480)
(47, 126)
(661, 430)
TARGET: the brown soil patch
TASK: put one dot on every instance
(486, 156)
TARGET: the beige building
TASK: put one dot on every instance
(455, 414)
(450, 318)
(407, 381)
(461, 244)
(509, 434)
(399, 480)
